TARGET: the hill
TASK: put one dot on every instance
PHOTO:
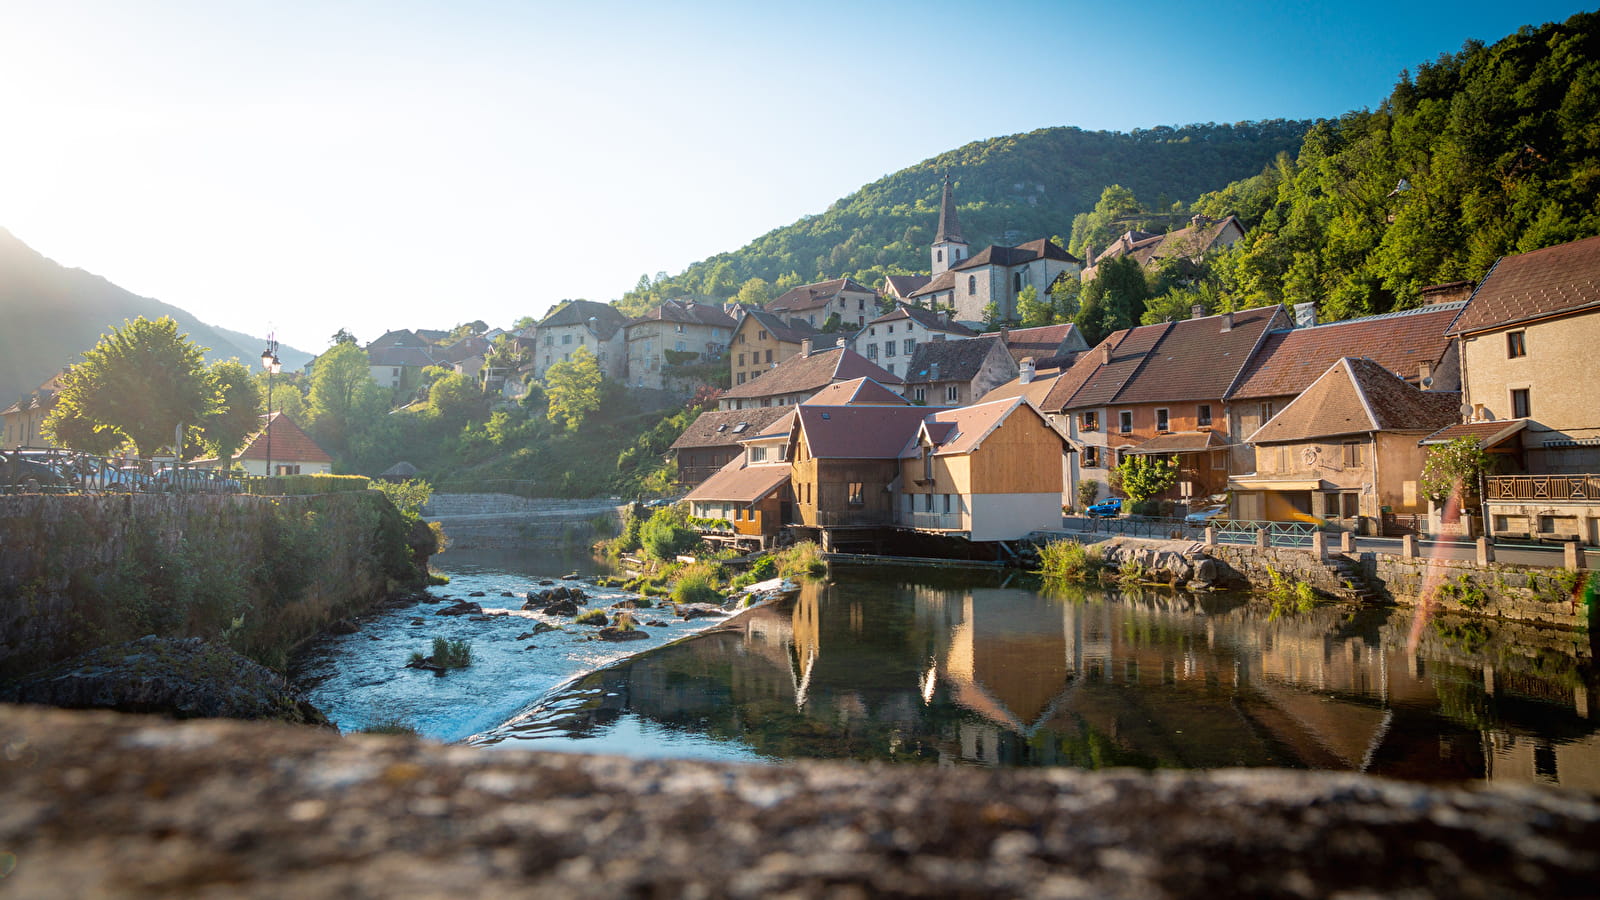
(1008, 189)
(52, 314)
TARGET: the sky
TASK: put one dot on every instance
(305, 167)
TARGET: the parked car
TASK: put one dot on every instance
(1205, 514)
(1106, 509)
(96, 475)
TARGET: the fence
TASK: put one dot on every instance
(58, 471)
(1229, 531)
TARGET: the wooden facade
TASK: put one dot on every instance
(835, 493)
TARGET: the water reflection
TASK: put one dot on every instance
(871, 667)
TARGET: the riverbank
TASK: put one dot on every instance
(99, 804)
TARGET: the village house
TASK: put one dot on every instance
(899, 288)
(581, 323)
(890, 339)
(1529, 383)
(1049, 346)
(713, 439)
(397, 359)
(675, 333)
(797, 378)
(1412, 344)
(988, 472)
(846, 460)
(24, 419)
(762, 340)
(958, 373)
(291, 450)
(1344, 451)
(750, 493)
(1187, 245)
(852, 302)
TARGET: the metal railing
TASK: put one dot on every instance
(1229, 531)
(59, 471)
(1279, 534)
(930, 521)
(1553, 488)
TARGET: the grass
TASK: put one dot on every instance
(697, 583)
(391, 725)
(1069, 559)
(1297, 596)
(590, 617)
(447, 654)
(625, 622)
(802, 560)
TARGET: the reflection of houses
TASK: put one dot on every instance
(712, 440)
(1527, 342)
(675, 333)
(990, 472)
(956, 373)
(1345, 449)
(24, 418)
(750, 494)
(800, 376)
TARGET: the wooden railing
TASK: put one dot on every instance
(1554, 488)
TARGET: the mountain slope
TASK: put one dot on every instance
(49, 315)
(1007, 189)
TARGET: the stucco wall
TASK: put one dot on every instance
(1562, 380)
(1010, 517)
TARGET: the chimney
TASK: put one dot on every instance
(805, 346)
(1196, 311)
(1305, 314)
(1227, 322)
(1005, 334)
(1105, 353)
(1026, 370)
(1425, 375)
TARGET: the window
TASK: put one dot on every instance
(1091, 457)
(741, 359)
(769, 356)
(678, 328)
(857, 498)
(1516, 344)
(891, 328)
(889, 368)
(910, 345)
(549, 340)
(566, 339)
(872, 351)
(1202, 415)
(861, 303)
(946, 504)
(761, 336)
(888, 348)
(952, 393)
(741, 378)
(1265, 411)
(741, 337)
(1016, 282)
(972, 284)
(758, 454)
(1519, 403)
(927, 503)
(1162, 421)
(1089, 421)
(921, 395)
(938, 256)
(1125, 421)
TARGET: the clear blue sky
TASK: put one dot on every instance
(377, 165)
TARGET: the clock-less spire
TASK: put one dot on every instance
(948, 246)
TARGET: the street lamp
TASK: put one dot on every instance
(269, 361)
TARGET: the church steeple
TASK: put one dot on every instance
(948, 246)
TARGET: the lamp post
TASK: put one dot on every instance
(269, 361)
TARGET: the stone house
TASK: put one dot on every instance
(713, 439)
(987, 472)
(1528, 336)
(1049, 346)
(890, 339)
(762, 340)
(1189, 244)
(958, 373)
(797, 378)
(1345, 450)
(397, 358)
(581, 323)
(675, 332)
(851, 301)
(997, 275)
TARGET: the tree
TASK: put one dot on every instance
(1451, 471)
(343, 396)
(755, 292)
(342, 337)
(141, 381)
(453, 397)
(239, 414)
(991, 317)
(1144, 477)
(1034, 312)
(573, 388)
(1123, 291)
(1064, 295)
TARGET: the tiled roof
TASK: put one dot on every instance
(578, 312)
(995, 255)
(401, 356)
(1034, 391)
(401, 338)
(464, 349)
(1487, 433)
(1043, 342)
(955, 360)
(906, 285)
(1092, 381)
(688, 313)
(792, 331)
(720, 427)
(740, 483)
(956, 431)
(856, 391)
(808, 374)
(807, 296)
(1357, 396)
(1197, 359)
(289, 443)
(1182, 442)
(944, 281)
(859, 432)
(1553, 281)
(925, 317)
(1290, 360)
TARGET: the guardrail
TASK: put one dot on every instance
(1553, 488)
(1229, 531)
(59, 471)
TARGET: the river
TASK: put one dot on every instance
(978, 668)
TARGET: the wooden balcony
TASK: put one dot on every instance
(1543, 488)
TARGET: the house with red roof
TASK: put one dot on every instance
(1529, 385)
(853, 302)
(892, 338)
(846, 460)
(1345, 450)
(290, 450)
(799, 377)
(713, 439)
(750, 497)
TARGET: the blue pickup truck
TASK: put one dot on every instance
(1106, 509)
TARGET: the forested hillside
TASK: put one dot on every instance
(1488, 151)
(1008, 189)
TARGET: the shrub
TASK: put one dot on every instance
(1069, 559)
(697, 584)
(1462, 590)
(1087, 492)
(803, 560)
(667, 533)
(1286, 595)
(451, 654)
(764, 568)
(626, 622)
(591, 617)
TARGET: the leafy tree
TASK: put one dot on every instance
(342, 337)
(1120, 287)
(1065, 292)
(1034, 312)
(573, 388)
(524, 323)
(1144, 477)
(141, 382)
(453, 397)
(344, 398)
(755, 292)
(1116, 212)
(1451, 471)
(239, 414)
(992, 319)
(832, 324)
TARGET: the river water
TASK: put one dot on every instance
(979, 668)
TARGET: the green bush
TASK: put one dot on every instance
(1069, 559)
(407, 496)
(803, 560)
(764, 569)
(1286, 595)
(311, 484)
(451, 654)
(667, 534)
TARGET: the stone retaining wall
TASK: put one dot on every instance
(505, 522)
(1524, 593)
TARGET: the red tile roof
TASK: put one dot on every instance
(740, 483)
(810, 296)
(859, 432)
(856, 392)
(1487, 433)
(1197, 359)
(1358, 396)
(689, 313)
(791, 331)
(927, 318)
(963, 430)
(1092, 381)
(289, 443)
(1291, 360)
(906, 285)
(1554, 281)
(808, 374)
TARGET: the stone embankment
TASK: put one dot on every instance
(505, 521)
(96, 804)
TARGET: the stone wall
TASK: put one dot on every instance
(1251, 564)
(78, 572)
(504, 522)
(1524, 593)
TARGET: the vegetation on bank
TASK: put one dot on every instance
(447, 654)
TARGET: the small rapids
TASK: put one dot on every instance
(360, 680)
